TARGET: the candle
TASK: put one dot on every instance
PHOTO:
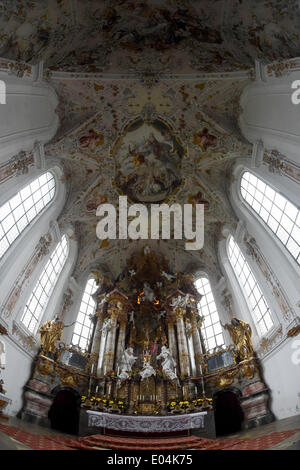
(97, 389)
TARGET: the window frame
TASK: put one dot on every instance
(28, 227)
(284, 250)
(37, 284)
(245, 295)
(91, 278)
(200, 313)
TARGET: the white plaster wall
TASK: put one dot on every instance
(282, 376)
(28, 115)
(268, 114)
(15, 375)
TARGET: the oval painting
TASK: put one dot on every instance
(148, 161)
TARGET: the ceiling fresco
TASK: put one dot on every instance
(174, 35)
(152, 144)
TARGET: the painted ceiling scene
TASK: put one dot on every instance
(144, 108)
(173, 35)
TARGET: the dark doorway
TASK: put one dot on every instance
(228, 413)
(64, 412)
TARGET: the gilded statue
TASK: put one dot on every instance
(50, 333)
(240, 333)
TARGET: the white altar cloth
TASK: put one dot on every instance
(146, 423)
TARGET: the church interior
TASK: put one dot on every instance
(142, 340)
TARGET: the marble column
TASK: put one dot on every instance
(196, 343)
(172, 339)
(97, 340)
(108, 360)
(121, 340)
(184, 358)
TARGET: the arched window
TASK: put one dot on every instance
(211, 327)
(260, 310)
(280, 215)
(83, 326)
(17, 213)
(43, 289)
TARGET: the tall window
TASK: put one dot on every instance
(40, 296)
(260, 309)
(23, 208)
(211, 327)
(276, 211)
(83, 326)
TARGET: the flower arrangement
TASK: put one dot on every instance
(101, 403)
(185, 405)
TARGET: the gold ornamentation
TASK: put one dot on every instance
(51, 332)
(240, 333)
(226, 379)
(294, 331)
(46, 367)
(247, 370)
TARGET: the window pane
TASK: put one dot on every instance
(21, 209)
(281, 216)
(260, 310)
(83, 326)
(40, 296)
(212, 335)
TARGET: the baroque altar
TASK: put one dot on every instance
(147, 356)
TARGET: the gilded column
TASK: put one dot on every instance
(111, 340)
(184, 358)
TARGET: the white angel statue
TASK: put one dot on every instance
(147, 371)
(106, 325)
(168, 364)
(149, 294)
(131, 317)
(127, 361)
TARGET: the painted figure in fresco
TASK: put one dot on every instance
(149, 160)
(91, 140)
(240, 333)
(205, 140)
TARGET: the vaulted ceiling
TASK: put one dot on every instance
(173, 35)
(131, 73)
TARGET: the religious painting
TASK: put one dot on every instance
(158, 25)
(91, 140)
(204, 139)
(148, 160)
